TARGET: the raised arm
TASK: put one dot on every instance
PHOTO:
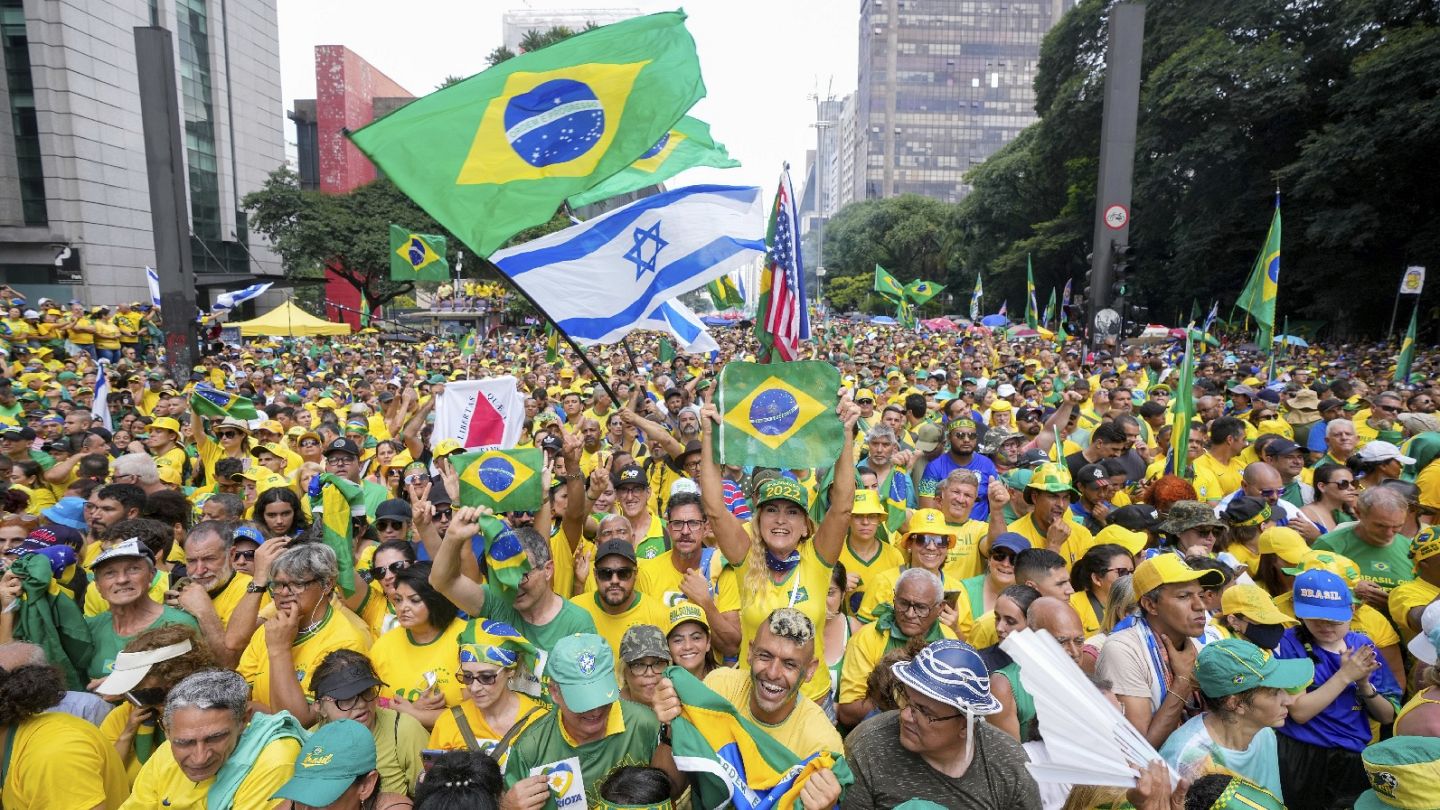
(830, 536)
(655, 432)
(572, 522)
(445, 573)
(730, 535)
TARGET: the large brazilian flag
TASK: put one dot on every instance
(688, 144)
(500, 151)
(779, 415)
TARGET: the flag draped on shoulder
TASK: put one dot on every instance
(499, 152)
(503, 480)
(417, 256)
(735, 761)
(1258, 297)
(479, 413)
(779, 414)
(782, 319)
(688, 144)
(341, 501)
(207, 400)
(618, 272)
(887, 285)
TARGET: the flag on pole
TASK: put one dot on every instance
(1412, 283)
(502, 480)
(606, 277)
(364, 311)
(886, 285)
(479, 413)
(100, 403)
(417, 256)
(773, 412)
(1032, 307)
(688, 144)
(1258, 297)
(552, 343)
(1402, 363)
(679, 321)
(230, 300)
(975, 300)
(470, 344)
(905, 313)
(921, 292)
(1004, 310)
(1065, 300)
(666, 351)
(782, 320)
(1184, 401)
(1049, 309)
(152, 278)
(735, 761)
(724, 293)
(1210, 319)
(500, 151)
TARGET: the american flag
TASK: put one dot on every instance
(784, 319)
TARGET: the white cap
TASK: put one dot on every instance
(1005, 391)
(125, 548)
(1421, 646)
(684, 485)
(131, 667)
(1382, 451)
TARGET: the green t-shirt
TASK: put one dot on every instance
(570, 620)
(108, 644)
(1387, 566)
(572, 770)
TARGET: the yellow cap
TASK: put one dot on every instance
(929, 521)
(1170, 569)
(166, 423)
(864, 393)
(1425, 545)
(685, 611)
(867, 502)
(1252, 602)
(446, 447)
(1285, 543)
(1132, 542)
(272, 425)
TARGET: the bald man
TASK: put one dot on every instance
(1260, 480)
(1056, 616)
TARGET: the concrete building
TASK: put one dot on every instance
(74, 198)
(943, 85)
(515, 23)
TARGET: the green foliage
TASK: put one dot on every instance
(534, 41)
(910, 236)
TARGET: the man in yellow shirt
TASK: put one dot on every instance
(1218, 472)
(615, 605)
(206, 730)
(1050, 523)
(1409, 599)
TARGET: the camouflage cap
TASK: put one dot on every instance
(1186, 515)
(995, 438)
(643, 641)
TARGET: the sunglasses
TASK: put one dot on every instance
(387, 523)
(245, 554)
(485, 678)
(1346, 484)
(309, 443)
(416, 478)
(379, 571)
(228, 434)
(1002, 555)
(607, 574)
(935, 540)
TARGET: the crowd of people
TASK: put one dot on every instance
(174, 619)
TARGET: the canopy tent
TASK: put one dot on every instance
(289, 320)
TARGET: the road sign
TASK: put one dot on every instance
(1116, 217)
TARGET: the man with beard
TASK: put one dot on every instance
(616, 605)
(964, 437)
(691, 571)
(1151, 664)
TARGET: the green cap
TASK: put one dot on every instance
(67, 376)
(781, 489)
(583, 666)
(335, 756)
(436, 379)
(1230, 666)
(1017, 478)
(1403, 772)
(1242, 794)
(1050, 477)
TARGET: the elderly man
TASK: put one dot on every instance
(1375, 544)
(918, 611)
(591, 732)
(1341, 442)
(1262, 480)
(206, 735)
(1062, 622)
(780, 659)
(924, 751)
(1150, 664)
(889, 462)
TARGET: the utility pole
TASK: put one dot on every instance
(169, 214)
(1117, 165)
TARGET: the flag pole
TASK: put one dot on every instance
(584, 358)
(1390, 333)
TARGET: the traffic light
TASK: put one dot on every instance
(1121, 255)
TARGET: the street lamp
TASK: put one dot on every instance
(820, 288)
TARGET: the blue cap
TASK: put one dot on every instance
(68, 511)
(1320, 594)
(1013, 541)
(951, 672)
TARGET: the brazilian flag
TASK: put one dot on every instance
(504, 480)
(922, 291)
(779, 415)
(886, 285)
(552, 343)
(1407, 349)
(724, 294)
(341, 501)
(417, 256)
(688, 144)
(500, 151)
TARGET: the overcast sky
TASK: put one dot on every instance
(760, 58)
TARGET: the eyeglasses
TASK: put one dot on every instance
(1002, 555)
(606, 574)
(1344, 483)
(1120, 570)
(354, 701)
(485, 678)
(903, 700)
(228, 434)
(379, 571)
(339, 459)
(309, 443)
(643, 667)
(918, 609)
(245, 554)
(935, 540)
(686, 525)
(290, 588)
(1272, 493)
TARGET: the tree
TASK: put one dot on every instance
(534, 41)
(910, 236)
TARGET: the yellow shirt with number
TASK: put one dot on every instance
(612, 626)
(341, 630)
(403, 664)
(162, 784)
(804, 589)
(57, 760)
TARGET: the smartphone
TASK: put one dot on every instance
(951, 596)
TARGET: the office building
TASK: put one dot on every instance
(74, 196)
(943, 85)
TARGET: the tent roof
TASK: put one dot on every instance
(289, 320)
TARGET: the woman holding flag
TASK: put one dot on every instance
(790, 559)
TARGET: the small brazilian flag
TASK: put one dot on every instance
(504, 556)
(922, 291)
(688, 144)
(504, 480)
(779, 415)
(500, 151)
(552, 343)
(1407, 349)
(417, 256)
(886, 285)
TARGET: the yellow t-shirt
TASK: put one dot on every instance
(107, 335)
(804, 732)
(982, 633)
(57, 762)
(862, 654)
(1429, 483)
(886, 558)
(1242, 552)
(963, 559)
(804, 589)
(82, 338)
(1406, 597)
(402, 664)
(162, 784)
(229, 597)
(1214, 480)
(1365, 620)
(643, 609)
(659, 579)
(564, 556)
(446, 735)
(882, 592)
(1080, 600)
(1074, 548)
(341, 630)
(41, 497)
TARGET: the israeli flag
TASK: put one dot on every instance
(623, 270)
(682, 324)
(100, 403)
(153, 279)
(230, 300)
